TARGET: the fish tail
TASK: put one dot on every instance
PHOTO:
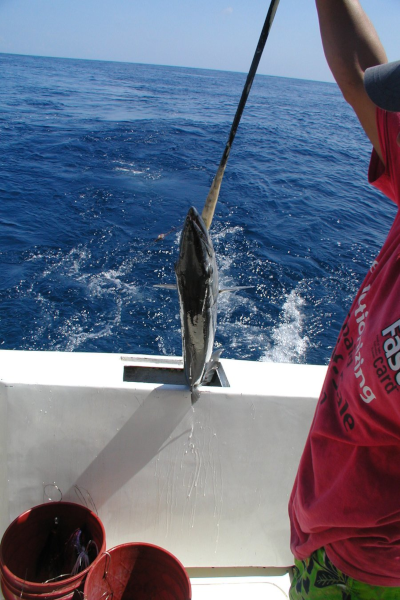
(195, 393)
(211, 367)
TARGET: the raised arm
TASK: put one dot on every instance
(351, 45)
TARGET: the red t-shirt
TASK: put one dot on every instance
(346, 496)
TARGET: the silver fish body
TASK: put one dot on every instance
(197, 280)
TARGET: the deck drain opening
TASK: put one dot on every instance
(168, 376)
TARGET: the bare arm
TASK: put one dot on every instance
(351, 45)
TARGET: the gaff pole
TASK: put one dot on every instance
(212, 198)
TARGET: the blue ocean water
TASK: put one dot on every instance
(97, 159)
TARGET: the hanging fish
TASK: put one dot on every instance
(197, 280)
(197, 283)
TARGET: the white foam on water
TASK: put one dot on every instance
(289, 343)
(131, 168)
(76, 334)
(72, 331)
(108, 283)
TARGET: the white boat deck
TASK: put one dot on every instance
(240, 588)
(210, 482)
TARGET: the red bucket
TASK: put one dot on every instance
(11, 593)
(24, 542)
(139, 571)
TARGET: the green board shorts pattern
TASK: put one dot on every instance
(316, 578)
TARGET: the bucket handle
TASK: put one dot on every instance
(106, 564)
(110, 594)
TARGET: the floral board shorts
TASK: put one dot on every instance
(317, 578)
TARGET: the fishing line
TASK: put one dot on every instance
(48, 488)
(89, 502)
(212, 198)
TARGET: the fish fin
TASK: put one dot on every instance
(211, 367)
(236, 289)
(166, 286)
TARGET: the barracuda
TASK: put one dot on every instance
(197, 280)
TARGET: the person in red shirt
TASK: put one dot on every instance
(345, 505)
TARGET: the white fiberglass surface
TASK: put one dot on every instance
(260, 588)
(208, 482)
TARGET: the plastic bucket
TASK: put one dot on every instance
(11, 593)
(21, 550)
(140, 571)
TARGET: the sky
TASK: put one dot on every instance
(211, 34)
